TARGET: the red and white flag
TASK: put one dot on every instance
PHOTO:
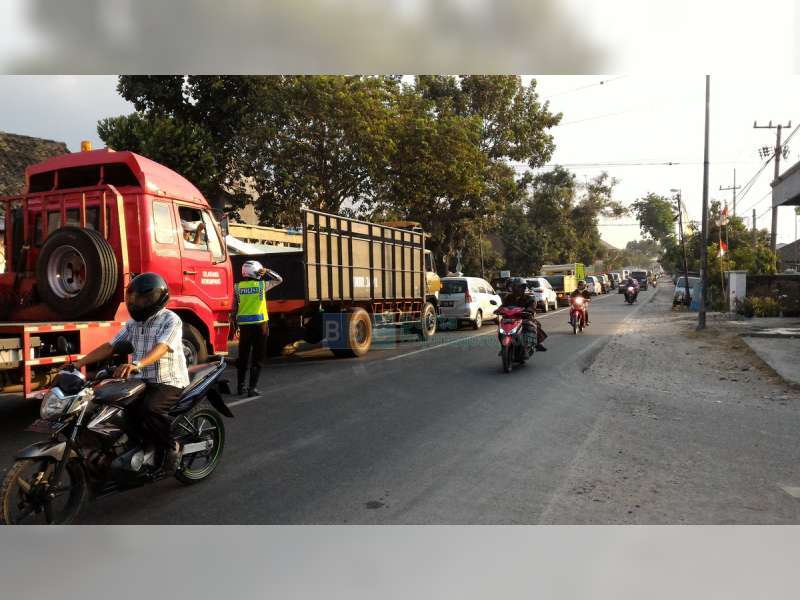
(723, 217)
(723, 248)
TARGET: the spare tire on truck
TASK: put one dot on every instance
(357, 335)
(76, 272)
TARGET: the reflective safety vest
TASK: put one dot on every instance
(252, 299)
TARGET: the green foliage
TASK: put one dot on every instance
(656, 217)
(758, 307)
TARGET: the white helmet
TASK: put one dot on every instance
(252, 269)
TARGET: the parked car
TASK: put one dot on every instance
(543, 292)
(593, 285)
(469, 299)
(680, 289)
(616, 279)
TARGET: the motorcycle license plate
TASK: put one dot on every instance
(43, 426)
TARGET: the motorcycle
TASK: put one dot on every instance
(577, 314)
(514, 347)
(89, 455)
(630, 294)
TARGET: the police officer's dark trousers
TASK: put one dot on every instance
(252, 349)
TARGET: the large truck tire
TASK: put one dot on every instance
(428, 321)
(76, 272)
(194, 345)
(358, 335)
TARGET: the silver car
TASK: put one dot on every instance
(678, 296)
(469, 299)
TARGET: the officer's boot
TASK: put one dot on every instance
(254, 373)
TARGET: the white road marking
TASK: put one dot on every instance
(463, 339)
(794, 492)
(242, 401)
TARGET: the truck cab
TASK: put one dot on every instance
(86, 224)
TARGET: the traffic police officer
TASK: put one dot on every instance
(252, 321)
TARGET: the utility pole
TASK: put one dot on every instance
(701, 316)
(778, 151)
(734, 188)
(754, 230)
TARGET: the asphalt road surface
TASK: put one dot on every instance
(411, 433)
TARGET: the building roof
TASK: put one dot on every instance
(17, 153)
(789, 252)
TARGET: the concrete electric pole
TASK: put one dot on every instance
(701, 315)
(734, 188)
(777, 156)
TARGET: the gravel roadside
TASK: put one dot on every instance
(695, 428)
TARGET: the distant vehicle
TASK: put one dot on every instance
(543, 292)
(641, 277)
(605, 280)
(468, 299)
(563, 285)
(616, 278)
(593, 285)
(678, 295)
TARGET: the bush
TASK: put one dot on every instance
(759, 307)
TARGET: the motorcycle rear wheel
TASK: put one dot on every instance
(26, 498)
(507, 362)
(206, 424)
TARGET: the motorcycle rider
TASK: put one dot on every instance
(156, 336)
(252, 319)
(582, 290)
(631, 282)
(517, 297)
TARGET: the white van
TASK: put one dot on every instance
(468, 299)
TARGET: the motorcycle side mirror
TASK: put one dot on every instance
(64, 347)
(122, 348)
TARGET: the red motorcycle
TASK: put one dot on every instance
(577, 314)
(514, 347)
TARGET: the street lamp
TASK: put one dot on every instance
(686, 297)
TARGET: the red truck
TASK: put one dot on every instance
(86, 224)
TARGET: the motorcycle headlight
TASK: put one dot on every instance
(55, 403)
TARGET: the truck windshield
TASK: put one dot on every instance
(454, 287)
(557, 281)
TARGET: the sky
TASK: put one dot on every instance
(627, 119)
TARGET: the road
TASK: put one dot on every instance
(411, 433)
(436, 434)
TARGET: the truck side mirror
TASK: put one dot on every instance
(223, 225)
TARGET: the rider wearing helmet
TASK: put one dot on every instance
(156, 336)
(252, 319)
(518, 297)
(582, 290)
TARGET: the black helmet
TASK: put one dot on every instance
(147, 294)
(581, 284)
(518, 285)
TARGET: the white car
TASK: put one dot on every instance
(468, 299)
(593, 285)
(543, 292)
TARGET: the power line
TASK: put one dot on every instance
(594, 118)
(584, 87)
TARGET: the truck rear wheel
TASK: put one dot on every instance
(358, 335)
(428, 319)
(76, 272)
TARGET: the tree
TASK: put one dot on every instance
(656, 217)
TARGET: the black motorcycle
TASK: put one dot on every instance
(89, 453)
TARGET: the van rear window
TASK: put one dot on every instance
(454, 287)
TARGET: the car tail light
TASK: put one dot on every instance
(467, 297)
